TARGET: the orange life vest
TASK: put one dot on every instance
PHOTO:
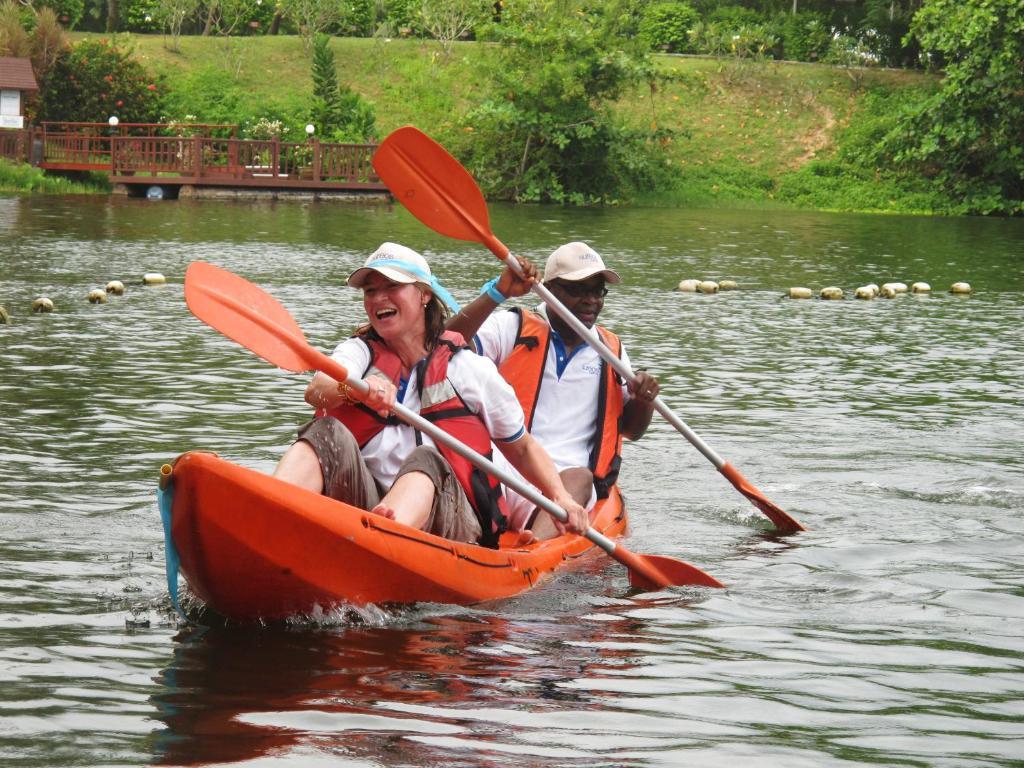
(524, 370)
(441, 404)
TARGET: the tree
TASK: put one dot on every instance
(547, 131)
(338, 113)
(313, 17)
(43, 45)
(326, 112)
(94, 80)
(969, 134)
(14, 39)
(172, 15)
(450, 20)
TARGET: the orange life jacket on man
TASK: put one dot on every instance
(441, 404)
(524, 370)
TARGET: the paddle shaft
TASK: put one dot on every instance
(594, 340)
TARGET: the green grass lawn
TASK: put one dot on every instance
(737, 127)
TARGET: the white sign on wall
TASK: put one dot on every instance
(10, 102)
(12, 121)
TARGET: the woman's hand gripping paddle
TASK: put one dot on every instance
(438, 191)
(253, 318)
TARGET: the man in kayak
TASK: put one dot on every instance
(357, 451)
(576, 405)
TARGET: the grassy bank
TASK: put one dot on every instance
(20, 178)
(737, 131)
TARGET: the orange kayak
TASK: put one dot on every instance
(253, 547)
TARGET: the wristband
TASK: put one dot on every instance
(491, 289)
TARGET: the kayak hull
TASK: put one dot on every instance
(255, 548)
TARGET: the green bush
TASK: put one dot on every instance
(69, 12)
(361, 18)
(666, 26)
(804, 36)
(399, 17)
(732, 17)
(140, 15)
(94, 80)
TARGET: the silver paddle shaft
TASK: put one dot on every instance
(591, 337)
(523, 489)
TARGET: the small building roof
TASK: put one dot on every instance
(16, 74)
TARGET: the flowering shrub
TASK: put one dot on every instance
(265, 129)
(94, 80)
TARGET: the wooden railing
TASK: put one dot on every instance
(138, 151)
(13, 145)
(241, 159)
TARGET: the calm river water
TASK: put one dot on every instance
(891, 633)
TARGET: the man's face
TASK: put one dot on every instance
(584, 298)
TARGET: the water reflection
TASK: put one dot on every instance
(376, 693)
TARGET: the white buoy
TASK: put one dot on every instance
(897, 287)
(874, 287)
(920, 288)
(831, 292)
(5, 316)
(888, 292)
(961, 288)
(42, 304)
(864, 292)
(97, 296)
(708, 286)
(688, 286)
(153, 278)
(727, 285)
(800, 293)
(115, 287)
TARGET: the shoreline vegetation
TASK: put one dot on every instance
(734, 132)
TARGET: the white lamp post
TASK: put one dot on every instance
(310, 130)
(113, 121)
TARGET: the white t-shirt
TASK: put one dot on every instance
(475, 379)
(565, 416)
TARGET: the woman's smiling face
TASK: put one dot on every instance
(395, 310)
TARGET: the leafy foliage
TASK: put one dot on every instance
(450, 20)
(969, 135)
(94, 80)
(546, 132)
(21, 177)
(666, 26)
(805, 36)
(339, 114)
(140, 15)
(67, 12)
(36, 35)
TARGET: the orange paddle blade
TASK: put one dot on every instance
(783, 521)
(247, 314)
(658, 571)
(434, 186)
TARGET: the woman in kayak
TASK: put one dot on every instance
(356, 451)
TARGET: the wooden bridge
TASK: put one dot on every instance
(141, 156)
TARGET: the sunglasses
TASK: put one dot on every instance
(579, 290)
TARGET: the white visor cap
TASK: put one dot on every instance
(396, 263)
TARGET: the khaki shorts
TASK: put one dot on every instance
(347, 478)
